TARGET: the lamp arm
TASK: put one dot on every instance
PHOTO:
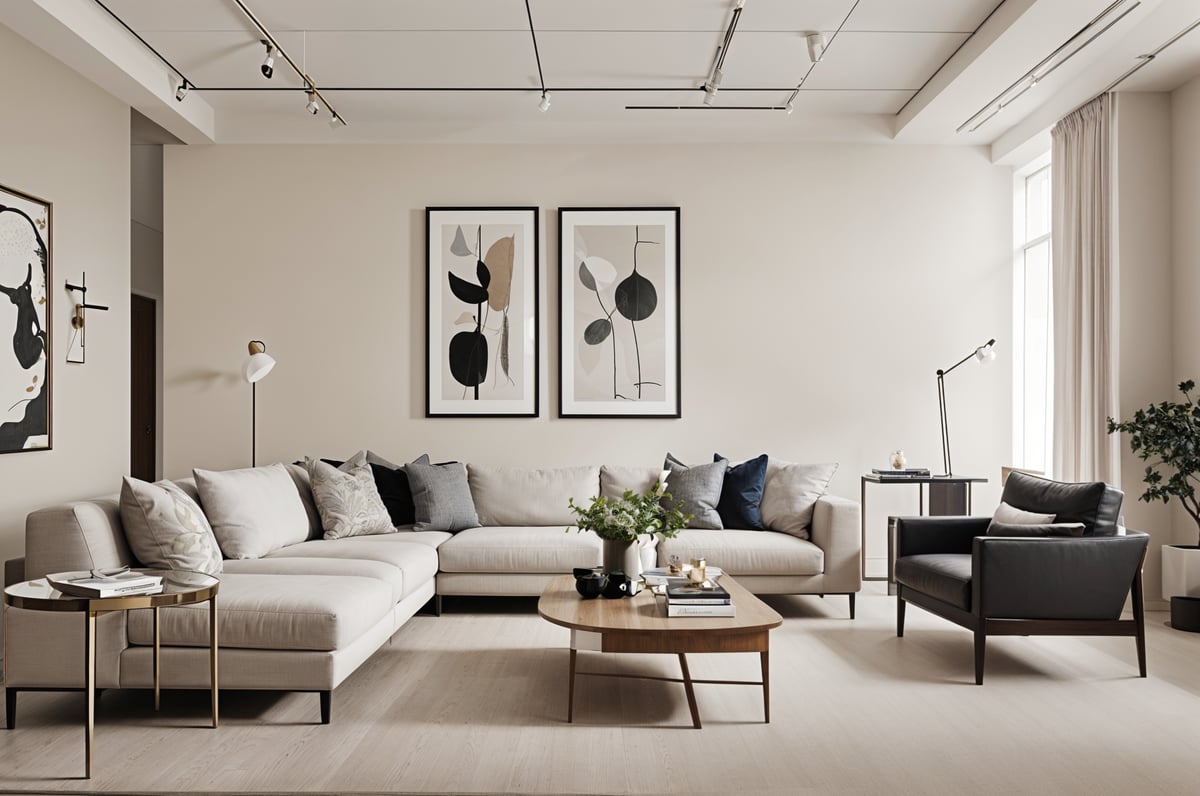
(956, 364)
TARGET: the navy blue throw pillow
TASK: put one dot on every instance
(741, 494)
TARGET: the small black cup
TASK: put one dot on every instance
(591, 585)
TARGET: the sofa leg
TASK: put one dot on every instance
(10, 708)
(900, 604)
(851, 596)
(326, 706)
(980, 649)
(437, 605)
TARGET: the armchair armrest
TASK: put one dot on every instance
(1054, 577)
(923, 535)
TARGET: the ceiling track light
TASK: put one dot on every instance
(268, 64)
(544, 105)
(1097, 27)
(315, 97)
(816, 46)
(716, 74)
(182, 91)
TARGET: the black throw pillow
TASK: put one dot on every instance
(741, 494)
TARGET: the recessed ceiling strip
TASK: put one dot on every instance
(310, 84)
(1044, 67)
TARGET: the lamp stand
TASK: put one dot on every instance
(945, 425)
(254, 424)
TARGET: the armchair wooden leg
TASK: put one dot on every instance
(980, 649)
(1139, 620)
(900, 617)
(851, 595)
(10, 707)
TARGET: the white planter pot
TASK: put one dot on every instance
(1180, 571)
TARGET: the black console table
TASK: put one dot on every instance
(948, 495)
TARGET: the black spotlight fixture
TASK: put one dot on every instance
(183, 90)
(268, 64)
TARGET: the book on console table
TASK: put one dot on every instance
(674, 609)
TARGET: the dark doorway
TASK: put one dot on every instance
(143, 390)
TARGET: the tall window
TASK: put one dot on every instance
(1033, 342)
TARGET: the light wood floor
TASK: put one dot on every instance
(476, 703)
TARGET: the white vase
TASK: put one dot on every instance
(622, 557)
(1180, 571)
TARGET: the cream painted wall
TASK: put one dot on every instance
(1185, 205)
(822, 286)
(1143, 219)
(68, 142)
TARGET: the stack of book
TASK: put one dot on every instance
(688, 599)
(911, 472)
(96, 585)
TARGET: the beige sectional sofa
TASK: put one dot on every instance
(304, 616)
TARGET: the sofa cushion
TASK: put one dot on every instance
(304, 487)
(302, 567)
(616, 480)
(274, 612)
(520, 549)
(348, 499)
(418, 562)
(530, 496)
(696, 490)
(1097, 505)
(252, 511)
(746, 552)
(790, 492)
(442, 497)
(741, 493)
(432, 539)
(166, 529)
(946, 576)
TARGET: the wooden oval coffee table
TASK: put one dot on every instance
(640, 624)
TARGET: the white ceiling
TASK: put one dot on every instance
(399, 70)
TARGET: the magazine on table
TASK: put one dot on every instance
(98, 583)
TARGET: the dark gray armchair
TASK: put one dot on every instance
(1018, 581)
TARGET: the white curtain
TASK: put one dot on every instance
(1085, 295)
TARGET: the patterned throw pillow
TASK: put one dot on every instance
(347, 499)
(166, 529)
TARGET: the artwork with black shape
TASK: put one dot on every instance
(24, 275)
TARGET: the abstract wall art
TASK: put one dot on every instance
(481, 311)
(25, 249)
(619, 312)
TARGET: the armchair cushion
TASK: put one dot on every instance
(944, 576)
(1096, 505)
(1016, 516)
(1039, 529)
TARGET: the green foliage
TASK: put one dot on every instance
(631, 516)
(1167, 435)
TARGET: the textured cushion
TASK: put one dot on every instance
(392, 482)
(615, 481)
(348, 500)
(166, 529)
(1097, 505)
(252, 511)
(304, 487)
(442, 497)
(741, 493)
(1011, 515)
(696, 490)
(1035, 529)
(390, 574)
(790, 492)
(418, 562)
(274, 612)
(743, 552)
(946, 576)
(527, 496)
(518, 549)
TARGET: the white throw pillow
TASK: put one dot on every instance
(348, 499)
(789, 493)
(166, 529)
(615, 480)
(252, 511)
(1010, 515)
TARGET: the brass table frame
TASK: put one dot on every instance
(94, 607)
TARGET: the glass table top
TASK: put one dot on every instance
(175, 584)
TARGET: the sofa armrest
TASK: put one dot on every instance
(917, 536)
(837, 530)
(14, 571)
(85, 534)
(1055, 577)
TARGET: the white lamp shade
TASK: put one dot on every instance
(257, 366)
(985, 353)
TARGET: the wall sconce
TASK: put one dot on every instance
(76, 351)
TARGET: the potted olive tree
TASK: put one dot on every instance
(1166, 435)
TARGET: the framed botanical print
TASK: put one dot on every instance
(619, 312)
(26, 227)
(481, 312)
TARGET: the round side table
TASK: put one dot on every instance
(179, 588)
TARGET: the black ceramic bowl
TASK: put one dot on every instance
(591, 585)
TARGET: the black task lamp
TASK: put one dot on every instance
(985, 353)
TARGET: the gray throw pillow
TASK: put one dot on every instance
(348, 499)
(696, 490)
(441, 497)
(166, 529)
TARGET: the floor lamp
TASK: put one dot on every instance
(257, 366)
(985, 353)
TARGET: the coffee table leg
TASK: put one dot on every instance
(212, 654)
(571, 691)
(691, 692)
(766, 682)
(156, 657)
(90, 691)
